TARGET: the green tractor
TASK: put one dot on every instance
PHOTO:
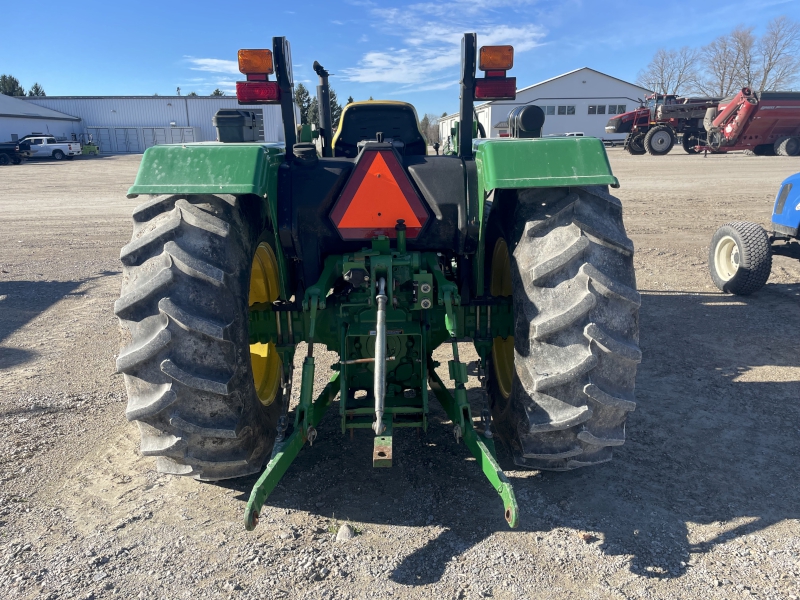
(362, 243)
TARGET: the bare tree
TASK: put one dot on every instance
(429, 125)
(722, 64)
(779, 54)
(744, 44)
(670, 71)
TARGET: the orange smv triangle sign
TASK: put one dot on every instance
(379, 202)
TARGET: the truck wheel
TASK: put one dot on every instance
(659, 140)
(788, 146)
(636, 144)
(689, 141)
(58, 155)
(190, 273)
(561, 387)
(4, 160)
(740, 258)
(17, 160)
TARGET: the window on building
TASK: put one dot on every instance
(570, 110)
(592, 109)
(601, 110)
(550, 110)
(562, 110)
(616, 109)
(620, 109)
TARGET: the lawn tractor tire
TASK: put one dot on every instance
(659, 140)
(185, 304)
(560, 399)
(788, 146)
(635, 144)
(740, 258)
(689, 141)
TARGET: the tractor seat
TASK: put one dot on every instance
(362, 121)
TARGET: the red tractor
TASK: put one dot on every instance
(655, 125)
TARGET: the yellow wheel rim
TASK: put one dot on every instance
(502, 348)
(264, 358)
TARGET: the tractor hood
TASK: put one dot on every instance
(622, 123)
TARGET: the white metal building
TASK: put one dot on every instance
(19, 118)
(578, 101)
(131, 124)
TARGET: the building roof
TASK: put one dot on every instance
(11, 106)
(559, 77)
(577, 70)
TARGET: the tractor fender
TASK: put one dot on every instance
(555, 162)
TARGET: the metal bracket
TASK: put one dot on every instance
(382, 449)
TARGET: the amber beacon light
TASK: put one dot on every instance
(256, 61)
(496, 58)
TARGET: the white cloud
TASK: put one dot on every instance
(213, 65)
(427, 36)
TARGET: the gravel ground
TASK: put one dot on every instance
(701, 502)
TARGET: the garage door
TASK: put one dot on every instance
(127, 139)
(153, 136)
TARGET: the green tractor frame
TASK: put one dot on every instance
(364, 244)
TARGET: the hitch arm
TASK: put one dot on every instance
(284, 454)
(482, 449)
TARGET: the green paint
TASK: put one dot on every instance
(542, 162)
(209, 168)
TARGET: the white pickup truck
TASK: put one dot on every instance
(49, 147)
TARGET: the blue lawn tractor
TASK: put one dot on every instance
(740, 256)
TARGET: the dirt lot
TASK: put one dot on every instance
(701, 502)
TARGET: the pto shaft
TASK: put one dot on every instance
(380, 357)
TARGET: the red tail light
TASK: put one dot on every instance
(496, 88)
(258, 92)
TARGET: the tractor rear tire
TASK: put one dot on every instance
(788, 146)
(689, 141)
(635, 145)
(659, 140)
(185, 302)
(561, 390)
(740, 258)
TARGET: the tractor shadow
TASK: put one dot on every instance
(22, 301)
(712, 443)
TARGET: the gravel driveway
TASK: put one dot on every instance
(702, 501)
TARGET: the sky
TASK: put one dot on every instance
(385, 49)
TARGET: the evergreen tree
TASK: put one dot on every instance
(312, 114)
(217, 92)
(9, 85)
(191, 94)
(350, 99)
(36, 90)
(425, 126)
(303, 100)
